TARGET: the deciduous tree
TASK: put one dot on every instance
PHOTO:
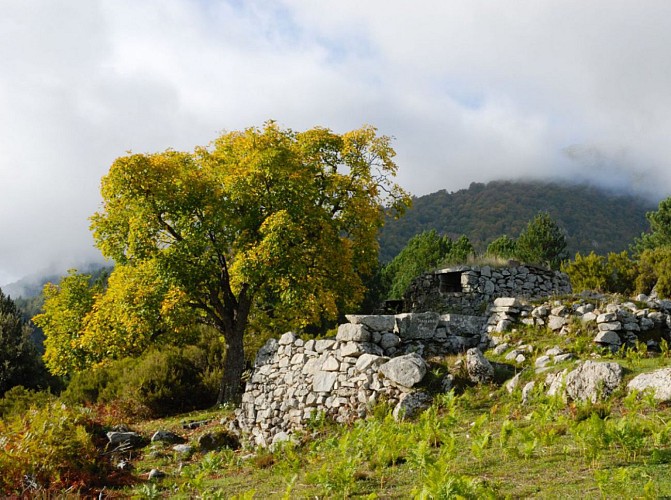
(263, 216)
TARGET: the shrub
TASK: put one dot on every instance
(18, 400)
(50, 448)
(158, 383)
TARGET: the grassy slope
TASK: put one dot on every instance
(481, 441)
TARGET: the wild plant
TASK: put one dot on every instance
(421, 458)
(479, 443)
(664, 348)
(506, 433)
(336, 477)
(591, 437)
(628, 434)
(149, 491)
(440, 483)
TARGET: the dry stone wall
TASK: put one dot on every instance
(471, 289)
(371, 357)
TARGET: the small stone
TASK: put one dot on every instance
(156, 474)
(183, 449)
(411, 404)
(166, 437)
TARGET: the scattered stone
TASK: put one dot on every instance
(156, 474)
(411, 404)
(166, 437)
(593, 381)
(128, 438)
(479, 369)
(195, 424)
(183, 449)
(526, 391)
(658, 381)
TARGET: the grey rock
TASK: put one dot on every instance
(266, 353)
(411, 404)
(324, 345)
(218, 440)
(560, 358)
(606, 317)
(416, 325)
(287, 339)
(556, 322)
(381, 323)
(128, 437)
(588, 317)
(613, 326)
(593, 380)
(608, 338)
(183, 449)
(447, 383)
(166, 437)
(156, 474)
(526, 391)
(405, 371)
(324, 381)
(367, 362)
(512, 384)
(389, 340)
(657, 381)
(507, 302)
(353, 332)
(356, 349)
(479, 369)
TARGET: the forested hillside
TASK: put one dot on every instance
(593, 219)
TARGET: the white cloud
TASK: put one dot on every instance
(472, 90)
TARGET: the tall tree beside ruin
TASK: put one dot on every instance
(542, 242)
(264, 216)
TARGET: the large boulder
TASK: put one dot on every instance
(479, 369)
(593, 381)
(658, 381)
(404, 371)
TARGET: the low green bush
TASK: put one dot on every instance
(158, 383)
(18, 400)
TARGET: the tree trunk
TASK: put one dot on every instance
(230, 390)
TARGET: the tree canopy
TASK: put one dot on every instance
(19, 360)
(264, 221)
(423, 252)
(542, 242)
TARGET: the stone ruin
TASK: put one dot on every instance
(472, 289)
(371, 357)
(380, 357)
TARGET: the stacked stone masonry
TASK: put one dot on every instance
(471, 289)
(372, 357)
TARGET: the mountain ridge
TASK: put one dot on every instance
(594, 218)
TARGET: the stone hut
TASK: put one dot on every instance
(471, 290)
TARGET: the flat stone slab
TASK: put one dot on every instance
(416, 325)
(381, 323)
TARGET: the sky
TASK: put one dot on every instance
(471, 91)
